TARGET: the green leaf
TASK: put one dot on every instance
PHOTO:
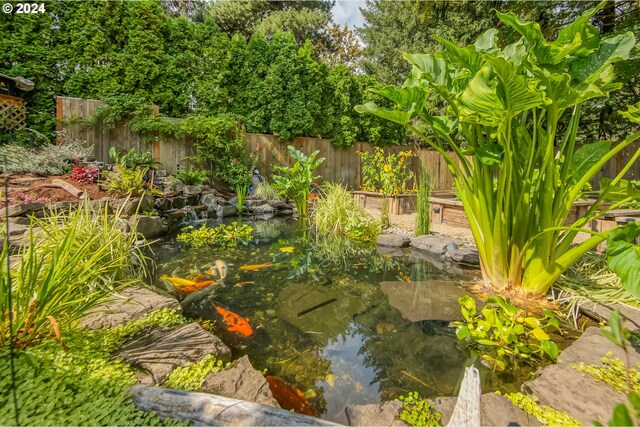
(622, 190)
(435, 67)
(462, 332)
(488, 41)
(587, 156)
(550, 348)
(467, 57)
(539, 334)
(632, 113)
(617, 334)
(400, 117)
(516, 92)
(597, 66)
(623, 256)
(410, 98)
(621, 416)
(490, 154)
(480, 103)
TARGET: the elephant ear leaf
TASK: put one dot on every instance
(400, 117)
(586, 157)
(490, 154)
(633, 113)
(623, 256)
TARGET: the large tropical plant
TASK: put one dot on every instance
(511, 119)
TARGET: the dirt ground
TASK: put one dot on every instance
(31, 188)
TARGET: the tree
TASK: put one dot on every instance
(341, 47)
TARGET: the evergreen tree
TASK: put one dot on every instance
(253, 101)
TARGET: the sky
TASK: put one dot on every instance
(348, 12)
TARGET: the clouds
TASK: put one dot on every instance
(348, 12)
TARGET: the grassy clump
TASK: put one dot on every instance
(338, 213)
(423, 219)
(74, 260)
(418, 412)
(46, 160)
(191, 376)
(82, 385)
(191, 176)
(544, 414)
(266, 192)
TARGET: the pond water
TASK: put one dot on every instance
(343, 323)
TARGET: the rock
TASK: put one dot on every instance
(62, 206)
(16, 230)
(164, 204)
(123, 225)
(190, 190)
(630, 316)
(240, 381)
(178, 202)
(435, 245)
(495, 410)
(465, 256)
(20, 209)
(209, 200)
(161, 173)
(19, 220)
(393, 240)
(385, 414)
(263, 209)
(226, 210)
(148, 226)
(129, 304)
(130, 206)
(592, 346)
(574, 392)
(193, 200)
(161, 350)
(101, 205)
(425, 300)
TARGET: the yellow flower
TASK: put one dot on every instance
(387, 168)
(287, 249)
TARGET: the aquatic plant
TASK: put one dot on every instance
(423, 219)
(241, 194)
(503, 333)
(613, 372)
(338, 213)
(191, 176)
(73, 261)
(545, 414)
(224, 235)
(80, 385)
(517, 110)
(417, 411)
(191, 376)
(266, 191)
(294, 181)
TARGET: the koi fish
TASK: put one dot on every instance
(200, 277)
(177, 281)
(241, 284)
(289, 397)
(219, 269)
(235, 322)
(196, 286)
(255, 267)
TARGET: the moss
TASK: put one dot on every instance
(417, 411)
(612, 372)
(545, 414)
(83, 385)
(191, 376)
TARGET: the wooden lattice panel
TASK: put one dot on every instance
(13, 113)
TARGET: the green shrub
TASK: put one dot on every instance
(74, 260)
(223, 235)
(46, 160)
(133, 159)
(124, 181)
(503, 333)
(191, 176)
(418, 412)
(337, 212)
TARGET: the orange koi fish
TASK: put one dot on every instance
(290, 397)
(235, 322)
(196, 286)
(255, 267)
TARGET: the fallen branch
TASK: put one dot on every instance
(69, 188)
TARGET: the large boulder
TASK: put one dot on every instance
(240, 381)
(209, 200)
(132, 205)
(159, 351)
(495, 410)
(466, 256)
(20, 209)
(592, 346)
(148, 226)
(434, 245)
(128, 305)
(393, 240)
(226, 210)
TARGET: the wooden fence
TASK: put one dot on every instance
(341, 164)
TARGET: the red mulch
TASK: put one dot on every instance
(32, 188)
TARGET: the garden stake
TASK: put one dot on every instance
(9, 296)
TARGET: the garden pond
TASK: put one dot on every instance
(343, 323)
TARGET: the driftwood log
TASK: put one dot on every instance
(467, 410)
(69, 188)
(214, 410)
